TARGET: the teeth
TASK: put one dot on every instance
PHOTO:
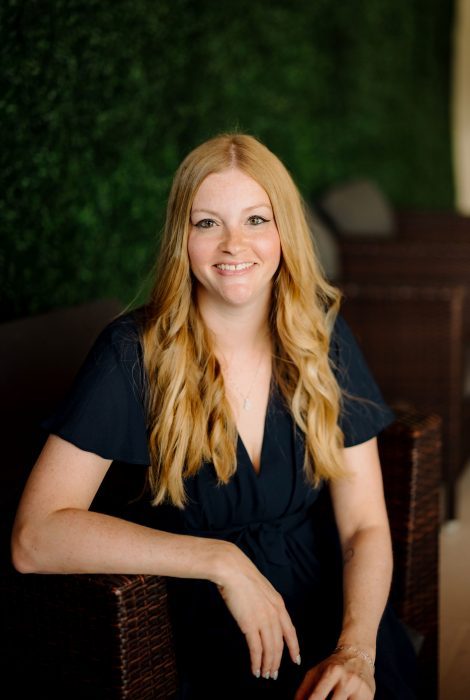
(233, 268)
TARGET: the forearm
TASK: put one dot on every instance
(78, 541)
(367, 572)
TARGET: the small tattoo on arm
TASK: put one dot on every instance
(348, 555)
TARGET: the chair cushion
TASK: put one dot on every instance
(358, 207)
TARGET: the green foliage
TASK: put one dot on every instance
(100, 101)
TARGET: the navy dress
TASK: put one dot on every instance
(283, 524)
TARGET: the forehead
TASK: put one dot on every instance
(231, 184)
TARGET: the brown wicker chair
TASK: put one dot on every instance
(109, 636)
(412, 338)
(431, 249)
(411, 458)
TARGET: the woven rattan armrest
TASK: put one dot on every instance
(88, 636)
(411, 454)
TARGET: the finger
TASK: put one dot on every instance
(341, 693)
(326, 684)
(351, 688)
(351, 685)
(278, 648)
(255, 648)
(307, 684)
(267, 639)
(290, 636)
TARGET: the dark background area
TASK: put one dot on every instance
(100, 101)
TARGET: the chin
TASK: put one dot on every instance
(233, 293)
(238, 295)
(238, 299)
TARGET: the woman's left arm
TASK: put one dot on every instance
(362, 521)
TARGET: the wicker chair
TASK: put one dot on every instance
(109, 636)
(431, 250)
(412, 337)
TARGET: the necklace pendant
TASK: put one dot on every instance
(247, 404)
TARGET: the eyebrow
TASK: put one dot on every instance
(250, 208)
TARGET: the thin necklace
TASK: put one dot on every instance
(247, 403)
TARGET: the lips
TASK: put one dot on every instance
(235, 267)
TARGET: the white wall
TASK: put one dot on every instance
(461, 105)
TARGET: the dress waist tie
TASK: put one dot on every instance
(263, 541)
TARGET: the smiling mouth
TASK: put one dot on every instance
(234, 268)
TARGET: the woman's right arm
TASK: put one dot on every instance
(54, 532)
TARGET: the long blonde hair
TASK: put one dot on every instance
(190, 420)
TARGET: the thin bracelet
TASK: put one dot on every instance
(358, 652)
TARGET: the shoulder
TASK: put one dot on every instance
(364, 413)
(117, 353)
(122, 337)
(104, 410)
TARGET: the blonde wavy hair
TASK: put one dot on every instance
(190, 420)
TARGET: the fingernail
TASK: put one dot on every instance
(298, 660)
(258, 673)
(267, 675)
(274, 676)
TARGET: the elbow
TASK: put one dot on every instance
(376, 536)
(23, 550)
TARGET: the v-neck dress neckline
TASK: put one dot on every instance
(252, 498)
(242, 447)
(269, 517)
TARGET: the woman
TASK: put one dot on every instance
(243, 389)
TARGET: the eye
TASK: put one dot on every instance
(205, 223)
(256, 220)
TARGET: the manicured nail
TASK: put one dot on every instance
(258, 673)
(267, 675)
(275, 675)
(298, 660)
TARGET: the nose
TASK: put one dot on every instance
(233, 240)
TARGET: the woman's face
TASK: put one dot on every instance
(233, 246)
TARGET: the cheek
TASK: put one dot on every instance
(196, 252)
(272, 248)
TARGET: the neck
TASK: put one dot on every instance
(236, 329)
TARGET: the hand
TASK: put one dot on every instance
(260, 613)
(345, 676)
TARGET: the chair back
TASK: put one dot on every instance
(39, 357)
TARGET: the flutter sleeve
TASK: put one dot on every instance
(103, 411)
(364, 413)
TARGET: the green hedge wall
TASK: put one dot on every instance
(99, 101)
